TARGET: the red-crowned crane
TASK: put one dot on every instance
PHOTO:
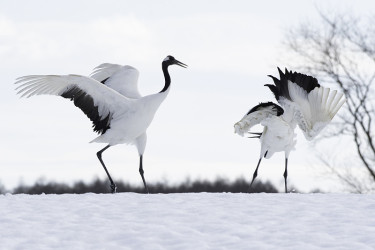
(110, 99)
(303, 101)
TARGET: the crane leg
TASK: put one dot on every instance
(255, 175)
(99, 154)
(256, 171)
(286, 174)
(142, 173)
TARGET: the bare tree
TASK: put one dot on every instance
(341, 51)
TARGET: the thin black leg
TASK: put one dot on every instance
(142, 173)
(99, 154)
(256, 171)
(286, 174)
(254, 175)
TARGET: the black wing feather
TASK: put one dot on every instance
(279, 110)
(86, 103)
(280, 87)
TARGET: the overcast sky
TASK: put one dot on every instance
(230, 47)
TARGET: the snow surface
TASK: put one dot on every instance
(187, 221)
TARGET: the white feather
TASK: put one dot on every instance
(278, 135)
(324, 105)
(337, 104)
(104, 71)
(123, 79)
(106, 99)
(299, 98)
(252, 119)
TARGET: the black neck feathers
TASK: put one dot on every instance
(166, 77)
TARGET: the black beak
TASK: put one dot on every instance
(180, 63)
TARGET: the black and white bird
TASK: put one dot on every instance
(303, 101)
(110, 99)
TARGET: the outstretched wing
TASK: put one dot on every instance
(123, 79)
(305, 101)
(281, 87)
(256, 115)
(100, 103)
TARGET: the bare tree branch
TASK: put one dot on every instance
(341, 52)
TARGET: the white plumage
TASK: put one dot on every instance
(110, 99)
(303, 102)
(123, 79)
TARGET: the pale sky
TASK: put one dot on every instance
(230, 47)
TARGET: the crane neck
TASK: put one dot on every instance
(166, 77)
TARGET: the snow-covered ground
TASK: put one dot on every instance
(187, 221)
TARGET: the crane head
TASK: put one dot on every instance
(170, 60)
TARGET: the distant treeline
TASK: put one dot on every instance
(240, 185)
